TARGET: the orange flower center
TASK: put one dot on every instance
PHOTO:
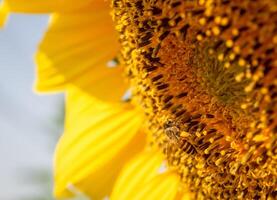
(205, 74)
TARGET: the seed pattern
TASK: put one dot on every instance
(211, 68)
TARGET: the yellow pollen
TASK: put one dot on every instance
(239, 77)
(248, 74)
(199, 37)
(216, 30)
(237, 49)
(259, 138)
(229, 43)
(243, 106)
(249, 88)
(227, 65)
(208, 33)
(264, 90)
(202, 2)
(224, 21)
(232, 56)
(217, 19)
(208, 12)
(235, 32)
(202, 21)
(172, 23)
(242, 62)
(220, 57)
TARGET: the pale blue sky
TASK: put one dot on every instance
(27, 120)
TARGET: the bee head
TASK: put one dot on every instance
(172, 130)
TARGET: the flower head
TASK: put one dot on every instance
(204, 72)
(199, 117)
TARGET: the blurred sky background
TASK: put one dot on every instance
(29, 123)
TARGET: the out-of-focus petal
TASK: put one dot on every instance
(99, 138)
(136, 174)
(163, 187)
(3, 14)
(186, 195)
(46, 6)
(76, 50)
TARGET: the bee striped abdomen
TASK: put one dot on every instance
(187, 147)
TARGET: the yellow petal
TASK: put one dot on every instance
(3, 14)
(163, 187)
(99, 138)
(45, 6)
(186, 195)
(183, 193)
(79, 43)
(137, 173)
(75, 50)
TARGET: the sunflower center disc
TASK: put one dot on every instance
(205, 74)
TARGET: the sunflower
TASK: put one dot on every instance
(179, 103)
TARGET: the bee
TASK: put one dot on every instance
(173, 133)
